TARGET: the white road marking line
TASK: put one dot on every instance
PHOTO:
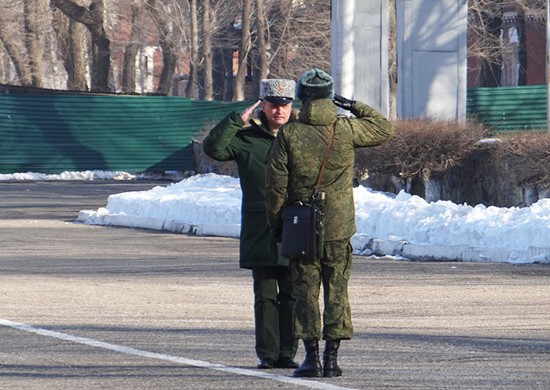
(175, 359)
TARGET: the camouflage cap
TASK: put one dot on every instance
(278, 91)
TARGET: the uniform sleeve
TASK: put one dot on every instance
(217, 143)
(276, 181)
(369, 127)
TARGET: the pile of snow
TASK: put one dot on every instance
(404, 226)
(387, 225)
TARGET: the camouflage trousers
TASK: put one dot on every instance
(333, 272)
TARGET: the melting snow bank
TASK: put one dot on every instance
(387, 225)
(374, 247)
(202, 204)
(93, 175)
(80, 175)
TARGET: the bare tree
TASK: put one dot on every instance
(190, 90)
(12, 31)
(2, 62)
(260, 47)
(128, 83)
(21, 68)
(159, 17)
(72, 46)
(92, 18)
(273, 38)
(225, 42)
(207, 34)
(299, 37)
(35, 29)
(486, 43)
(244, 49)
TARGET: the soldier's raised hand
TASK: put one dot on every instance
(245, 115)
(342, 102)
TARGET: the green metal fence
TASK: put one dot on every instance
(509, 108)
(56, 132)
(52, 132)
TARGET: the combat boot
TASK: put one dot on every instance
(330, 359)
(311, 366)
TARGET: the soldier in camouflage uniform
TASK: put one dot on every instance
(246, 140)
(292, 169)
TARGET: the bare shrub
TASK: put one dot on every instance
(526, 157)
(421, 148)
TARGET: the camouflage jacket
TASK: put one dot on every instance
(297, 154)
(248, 146)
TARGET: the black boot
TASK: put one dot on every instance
(311, 366)
(330, 357)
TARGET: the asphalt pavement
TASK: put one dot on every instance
(96, 307)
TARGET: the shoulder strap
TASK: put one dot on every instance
(327, 153)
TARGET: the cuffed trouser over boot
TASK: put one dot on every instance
(311, 366)
(273, 314)
(330, 359)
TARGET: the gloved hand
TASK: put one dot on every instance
(342, 102)
(277, 234)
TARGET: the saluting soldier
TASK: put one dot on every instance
(246, 138)
(291, 173)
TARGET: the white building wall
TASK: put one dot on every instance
(359, 55)
(431, 57)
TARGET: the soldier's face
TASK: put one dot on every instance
(276, 114)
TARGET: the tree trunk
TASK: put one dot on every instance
(77, 49)
(34, 38)
(239, 82)
(92, 18)
(11, 46)
(71, 38)
(207, 28)
(167, 47)
(190, 90)
(491, 64)
(2, 68)
(132, 48)
(261, 47)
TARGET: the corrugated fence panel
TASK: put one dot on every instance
(52, 133)
(509, 108)
(56, 132)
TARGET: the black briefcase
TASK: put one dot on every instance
(302, 231)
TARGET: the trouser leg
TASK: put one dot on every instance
(307, 284)
(336, 269)
(266, 313)
(288, 343)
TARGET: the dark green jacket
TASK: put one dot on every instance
(298, 152)
(248, 147)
